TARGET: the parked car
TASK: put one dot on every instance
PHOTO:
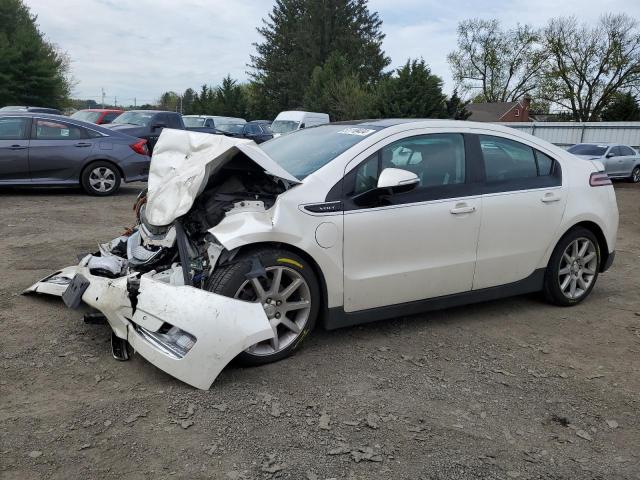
(257, 130)
(344, 224)
(52, 111)
(98, 116)
(210, 123)
(146, 124)
(42, 149)
(620, 161)
(291, 121)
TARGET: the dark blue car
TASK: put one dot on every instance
(42, 149)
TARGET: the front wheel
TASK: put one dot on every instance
(635, 175)
(285, 285)
(100, 179)
(573, 268)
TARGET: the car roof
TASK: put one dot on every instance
(100, 110)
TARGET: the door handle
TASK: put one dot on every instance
(17, 147)
(461, 208)
(82, 144)
(550, 198)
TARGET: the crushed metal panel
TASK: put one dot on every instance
(182, 164)
(54, 284)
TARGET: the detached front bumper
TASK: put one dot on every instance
(214, 328)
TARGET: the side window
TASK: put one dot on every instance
(626, 151)
(545, 164)
(208, 123)
(506, 159)
(93, 134)
(54, 130)
(173, 122)
(110, 117)
(253, 129)
(438, 160)
(367, 175)
(14, 128)
(614, 152)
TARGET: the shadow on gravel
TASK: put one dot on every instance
(125, 190)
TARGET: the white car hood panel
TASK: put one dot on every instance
(182, 164)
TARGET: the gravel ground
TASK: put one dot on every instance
(507, 389)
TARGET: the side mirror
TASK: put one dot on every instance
(158, 125)
(302, 125)
(611, 154)
(397, 180)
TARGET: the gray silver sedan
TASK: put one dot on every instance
(42, 149)
(620, 161)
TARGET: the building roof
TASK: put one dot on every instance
(489, 112)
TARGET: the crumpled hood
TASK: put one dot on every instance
(182, 163)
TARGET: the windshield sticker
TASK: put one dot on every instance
(361, 132)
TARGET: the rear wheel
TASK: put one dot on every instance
(573, 268)
(286, 286)
(635, 175)
(100, 178)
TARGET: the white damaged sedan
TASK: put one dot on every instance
(240, 250)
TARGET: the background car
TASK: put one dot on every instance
(620, 161)
(99, 116)
(42, 149)
(146, 124)
(257, 130)
(200, 122)
(290, 121)
(10, 108)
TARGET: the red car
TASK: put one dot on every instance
(99, 116)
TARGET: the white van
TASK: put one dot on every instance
(290, 121)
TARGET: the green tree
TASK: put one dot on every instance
(188, 99)
(412, 92)
(32, 70)
(589, 64)
(456, 107)
(623, 107)
(300, 35)
(169, 101)
(229, 99)
(501, 65)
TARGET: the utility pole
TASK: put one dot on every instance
(115, 101)
(180, 104)
(134, 102)
(103, 97)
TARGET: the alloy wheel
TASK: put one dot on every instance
(102, 179)
(578, 267)
(635, 176)
(286, 299)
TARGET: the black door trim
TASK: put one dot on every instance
(337, 318)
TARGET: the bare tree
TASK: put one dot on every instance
(500, 65)
(588, 65)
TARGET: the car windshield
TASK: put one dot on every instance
(141, 119)
(284, 126)
(307, 150)
(586, 149)
(86, 116)
(230, 127)
(191, 122)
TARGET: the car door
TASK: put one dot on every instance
(613, 162)
(14, 148)
(414, 245)
(522, 207)
(629, 159)
(57, 150)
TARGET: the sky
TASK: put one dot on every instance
(137, 49)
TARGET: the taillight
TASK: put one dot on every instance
(598, 179)
(140, 147)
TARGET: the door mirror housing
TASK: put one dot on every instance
(397, 180)
(610, 154)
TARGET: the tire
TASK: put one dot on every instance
(237, 280)
(100, 178)
(567, 275)
(635, 175)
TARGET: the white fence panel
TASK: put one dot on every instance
(568, 133)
